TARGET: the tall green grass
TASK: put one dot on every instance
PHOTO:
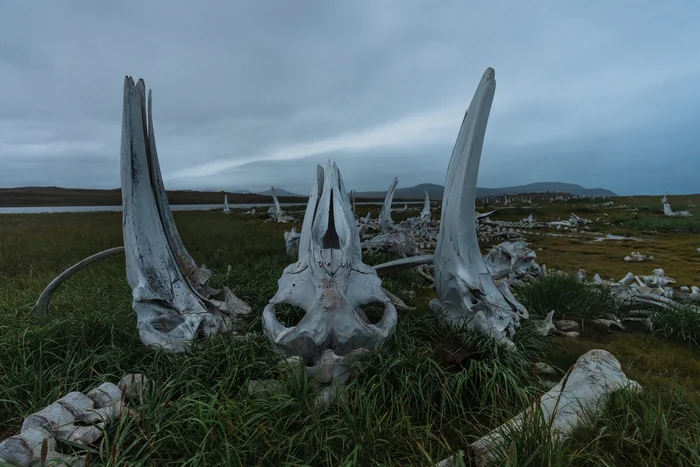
(427, 393)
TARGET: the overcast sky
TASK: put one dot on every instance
(249, 94)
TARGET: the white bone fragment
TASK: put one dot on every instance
(402, 264)
(425, 213)
(226, 208)
(385, 222)
(582, 391)
(467, 292)
(547, 326)
(329, 281)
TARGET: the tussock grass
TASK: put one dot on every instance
(568, 296)
(429, 392)
(681, 324)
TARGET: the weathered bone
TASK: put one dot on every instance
(41, 308)
(329, 282)
(402, 264)
(291, 241)
(385, 222)
(582, 392)
(76, 417)
(669, 212)
(468, 293)
(425, 213)
(170, 310)
(513, 259)
(226, 208)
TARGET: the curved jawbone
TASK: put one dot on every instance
(468, 294)
(329, 281)
(166, 284)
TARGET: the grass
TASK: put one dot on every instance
(428, 393)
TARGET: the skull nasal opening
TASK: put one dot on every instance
(331, 238)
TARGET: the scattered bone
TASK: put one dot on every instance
(608, 324)
(636, 256)
(399, 304)
(567, 325)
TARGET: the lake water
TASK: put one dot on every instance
(173, 207)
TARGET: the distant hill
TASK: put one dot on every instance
(55, 196)
(281, 192)
(436, 191)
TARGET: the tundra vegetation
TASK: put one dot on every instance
(433, 390)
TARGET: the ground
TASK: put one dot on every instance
(430, 392)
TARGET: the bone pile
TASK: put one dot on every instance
(637, 257)
(655, 289)
(76, 417)
(411, 237)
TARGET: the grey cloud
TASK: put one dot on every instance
(236, 82)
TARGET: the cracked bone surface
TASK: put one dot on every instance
(76, 418)
(385, 222)
(169, 291)
(329, 282)
(581, 392)
(467, 292)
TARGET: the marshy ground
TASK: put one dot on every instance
(428, 393)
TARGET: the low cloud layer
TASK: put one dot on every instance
(252, 94)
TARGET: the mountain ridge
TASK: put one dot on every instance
(57, 196)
